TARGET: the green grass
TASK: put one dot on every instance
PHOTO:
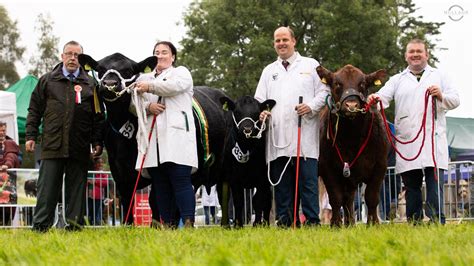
(398, 244)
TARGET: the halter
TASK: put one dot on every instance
(255, 125)
(336, 107)
(112, 88)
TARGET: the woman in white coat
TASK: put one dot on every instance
(169, 91)
(407, 89)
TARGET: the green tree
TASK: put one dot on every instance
(10, 51)
(229, 42)
(47, 56)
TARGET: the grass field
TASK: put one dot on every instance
(398, 244)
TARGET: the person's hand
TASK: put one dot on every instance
(435, 91)
(302, 109)
(264, 114)
(96, 151)
(30, 145)
(373, 97)
(156, 108)
(3, 168)
(142, 86)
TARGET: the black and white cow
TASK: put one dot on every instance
(115, 73)
(244, 159)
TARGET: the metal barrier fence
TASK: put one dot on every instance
(18, 199)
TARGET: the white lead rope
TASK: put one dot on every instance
(272, 139)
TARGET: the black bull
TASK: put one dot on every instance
(121, 127)
(346, 126)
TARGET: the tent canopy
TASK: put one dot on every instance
(8, 113)
(23, 89)
(460, 133)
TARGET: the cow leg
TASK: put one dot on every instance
(372, 192)
(348, 206)
(335, 200)
(125, 199)
(262, 204)
(238, 199)
(223, 196)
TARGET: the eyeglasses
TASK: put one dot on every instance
(71, 54)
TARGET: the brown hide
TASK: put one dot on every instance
(352, 130)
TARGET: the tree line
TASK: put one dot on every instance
(229, 42)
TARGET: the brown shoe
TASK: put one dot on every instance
(188, 223)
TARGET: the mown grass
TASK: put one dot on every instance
(398, 244)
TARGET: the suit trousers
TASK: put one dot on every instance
(50, 183)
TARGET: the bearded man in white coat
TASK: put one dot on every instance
(407, 89)
(284, 80)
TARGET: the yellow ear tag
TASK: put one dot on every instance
(377, 82)
(323, 80)
(225, 107)
(87, 67)
(147, 69)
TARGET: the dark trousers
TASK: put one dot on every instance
(210, 211)
(171, 187)
(49, 184)
(95, 211)
(413, 181)
(285, 190)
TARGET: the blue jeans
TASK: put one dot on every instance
(285, 190)
(171, 187)
(413, 181)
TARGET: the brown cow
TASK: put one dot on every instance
(353, 142)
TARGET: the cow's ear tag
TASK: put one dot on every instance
(87, 67)
(225, 107)
(147, 69)
(268, 107)
(323, 80)
(377, 82)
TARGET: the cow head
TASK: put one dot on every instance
(245, 113)
(349, 88)
(116, 72)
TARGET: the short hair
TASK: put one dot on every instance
(2, 123)
(416, 40)
(73, 43)
(292, 33)
(172, 48)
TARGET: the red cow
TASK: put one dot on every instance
(353, 142)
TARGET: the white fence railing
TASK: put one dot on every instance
(18, 199)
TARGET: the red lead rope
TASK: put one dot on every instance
(361, 149)
(422, 128)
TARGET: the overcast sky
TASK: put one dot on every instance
(132, 27)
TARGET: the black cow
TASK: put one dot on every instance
(31, 188)
(120, 139)
(244, 159)
(349, 129)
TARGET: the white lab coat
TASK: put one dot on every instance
(209, 199)
(408, 95)
(285, 87)
(174, 129)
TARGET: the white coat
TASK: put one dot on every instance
(209, 199)
(285, 87)
(408, 95)
(174, 130)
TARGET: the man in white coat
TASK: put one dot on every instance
(407, 89)
(284, 80)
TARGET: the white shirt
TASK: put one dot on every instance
(409, 95)
(285, 87)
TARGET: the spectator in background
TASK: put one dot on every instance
(209, 204)
(98, 186)
(9, 152)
